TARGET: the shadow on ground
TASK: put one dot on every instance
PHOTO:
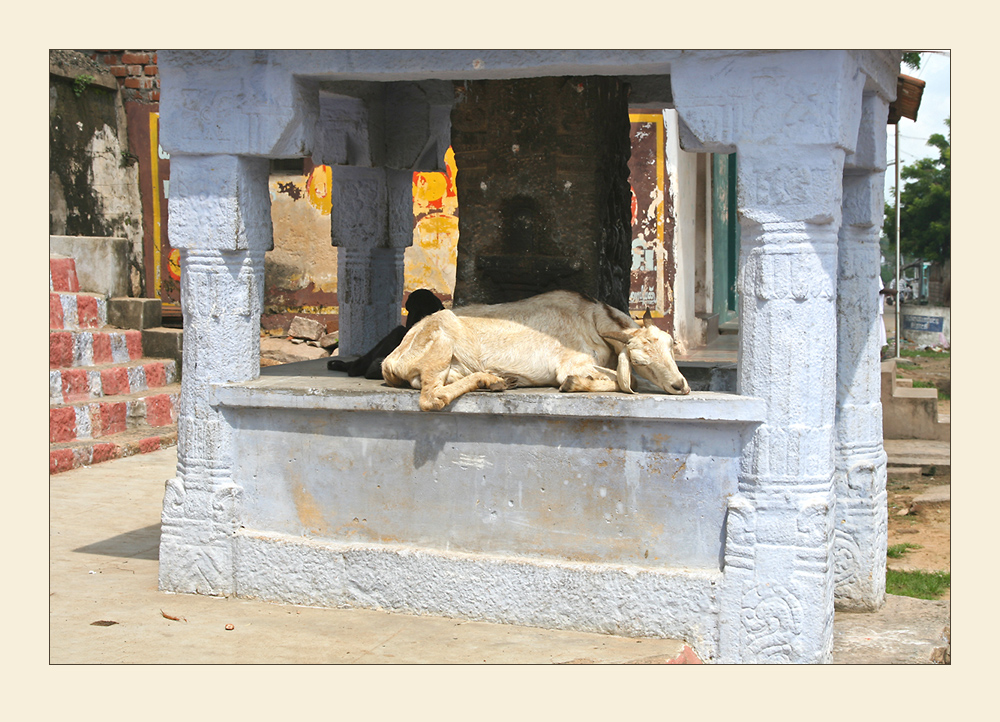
(139, 544)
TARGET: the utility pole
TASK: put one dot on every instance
(899, 297)
(907, 103)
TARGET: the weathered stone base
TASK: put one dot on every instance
(604, 598)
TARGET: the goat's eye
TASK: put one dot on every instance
(639, 358)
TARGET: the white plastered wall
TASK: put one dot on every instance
(690, 255)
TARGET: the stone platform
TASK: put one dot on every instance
(599, 512)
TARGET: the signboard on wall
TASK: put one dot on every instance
(930, 324)
(651, 272)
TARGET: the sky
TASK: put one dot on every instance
(935, 106)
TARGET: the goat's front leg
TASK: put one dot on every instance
(590, 378)
(436, 395)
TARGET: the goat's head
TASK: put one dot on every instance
(648, 352)
(420, 304)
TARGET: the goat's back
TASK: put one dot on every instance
(458, 346)
(569, 317)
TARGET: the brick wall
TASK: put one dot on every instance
(136, 72)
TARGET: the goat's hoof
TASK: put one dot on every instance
(572, 383)
(434, 404)
(496, 384)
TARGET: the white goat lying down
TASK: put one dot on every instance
(557, 339)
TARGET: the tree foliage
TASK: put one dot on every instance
(925, 205)
(912, 60)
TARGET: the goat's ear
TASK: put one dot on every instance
(647, 319)
(624, 372)
(619, 336)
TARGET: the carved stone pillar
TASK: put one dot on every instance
(860, 478)
(777, 600)
(372, 223)
(220, 220)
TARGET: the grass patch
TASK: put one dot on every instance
(896, 551)
(921, 585)
(903, 366)
(925, 352)
(942, 395)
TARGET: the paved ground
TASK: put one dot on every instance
(104, 533)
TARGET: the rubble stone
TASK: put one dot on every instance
(306, 328)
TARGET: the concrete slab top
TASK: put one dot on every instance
(309, 385)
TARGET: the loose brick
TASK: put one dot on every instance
(60, 349)
(61, 460)
(111, 59)
(62, 424)
(134, 340)
(155, 96)
(104, 452)
(150, 444)
(114, 381)
(151, 70)
(62, 272)
(159, 410)
(131, 82)
(113, 417)
(135, 58)
(87, 315)
(55, 311)
(119, 71)
(102, 348)
(75, 385)
(134, 69)
(156, 375)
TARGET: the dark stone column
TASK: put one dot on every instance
(543, 186)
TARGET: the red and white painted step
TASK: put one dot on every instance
(105, 399)
(67, 385)
(77, 310)
(96, 419)
(68, 349)
(63, 457)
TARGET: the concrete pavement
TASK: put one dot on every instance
(104, 534)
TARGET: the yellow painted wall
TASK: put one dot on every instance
(430, 262)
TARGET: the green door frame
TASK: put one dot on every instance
(725, 238)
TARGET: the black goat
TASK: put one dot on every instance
(420, 303)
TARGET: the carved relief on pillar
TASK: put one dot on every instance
(788, 357)
(778, 584)
(861, 533)
(799, 267)
(770, 625)
(196, 535)
(220, 202)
